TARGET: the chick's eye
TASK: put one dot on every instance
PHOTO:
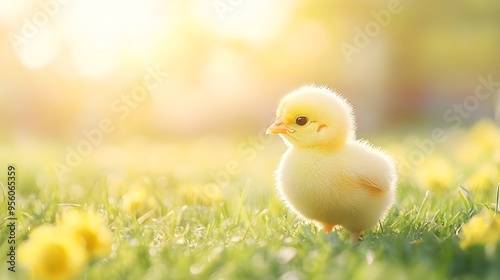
(301, 120)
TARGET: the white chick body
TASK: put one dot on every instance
(328, 187)
(326, 175)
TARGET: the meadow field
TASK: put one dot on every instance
(133, 145)
(207, 209)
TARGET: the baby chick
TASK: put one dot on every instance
(326, 175)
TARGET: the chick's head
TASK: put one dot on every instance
(314, 117)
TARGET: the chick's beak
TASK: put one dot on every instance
(278, 127)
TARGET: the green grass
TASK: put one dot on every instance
(249, 234)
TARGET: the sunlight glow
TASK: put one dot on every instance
(40, 50)
(103, 32)
(253, 21)
(93, 61)
(10, 11)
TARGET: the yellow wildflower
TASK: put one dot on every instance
(486, 135)
(496, 156)
(195, 194)
(482, 229)
(436, 173)
(465, 150)
(485, 177)
(51, 254)
(138, 200)
(90, 227)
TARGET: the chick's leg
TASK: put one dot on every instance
(355, 236)
(328, 228)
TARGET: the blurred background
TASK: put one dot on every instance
(160, 72)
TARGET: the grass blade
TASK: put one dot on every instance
(466, 197)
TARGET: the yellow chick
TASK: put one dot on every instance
(326, 175)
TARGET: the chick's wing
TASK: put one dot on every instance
(369, 184)
(359, 179)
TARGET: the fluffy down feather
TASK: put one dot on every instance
(326, 175)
